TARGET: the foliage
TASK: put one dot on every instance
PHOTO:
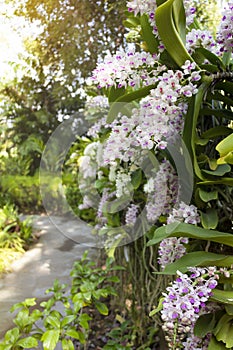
(170, 99)
(24, 191)
(119, 337)
(91, 286)
(30, 111)
(46, 86)
(135, 140)
(15, 236)
(85, 31)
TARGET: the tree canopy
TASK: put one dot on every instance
(74, 32)
(72, 35)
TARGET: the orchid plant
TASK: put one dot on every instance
(161, 158)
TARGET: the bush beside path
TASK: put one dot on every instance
(50, 258)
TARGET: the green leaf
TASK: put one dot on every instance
(224, 320)
(226, 86)
(216, 132)
(115, 93)
(102, 308)
(189, 133)
(225, 146)
(222, 296)
(4, 346)
(217, 96)
(131, 22)
(223, 181)
(148, 36)
(204, 325)
(27, 343)
(76, 335)
(224, 330)
(116, 205)
(113, 219)
(207, 67)
(121, 103)
(82, 337)
(53, 321)
(114, 279)
(67, 319)
(158, 308)
(22, 319)
(221, 170)
(197, 258)
(210, 56)
(50, 339)
(26, 303)
(83, 320)
(12, 335)
(136, 178)
(73, 334)
(179, 18)
(207, 196)
(67, 344)
(209, 219)
(187, 230)
(227, 56)
(201, 142)
(228, 308)
(29, 302)
(227, 159)
(223, 113)
(212, 163)
(167, 25)
(100, 184)
(215, 345)
(35, 315)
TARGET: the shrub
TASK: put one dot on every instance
(15, 236)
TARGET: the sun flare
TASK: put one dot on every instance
(13, 31)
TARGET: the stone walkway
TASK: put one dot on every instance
(61, 242)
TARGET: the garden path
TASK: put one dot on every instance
(61, 242)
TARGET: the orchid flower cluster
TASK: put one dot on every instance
(184, 301)
(225, 33)
(202, 38)
(199, 38)
(125, 69)
(155, 123)
(158, 119)
(119, 148)
(162, 192)
(173, 248)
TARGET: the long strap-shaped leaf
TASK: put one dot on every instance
(187, 230)
(147, 34)
(189, 133)
(197, 258)
(169, 16)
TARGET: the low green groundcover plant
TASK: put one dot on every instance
(41, 323)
